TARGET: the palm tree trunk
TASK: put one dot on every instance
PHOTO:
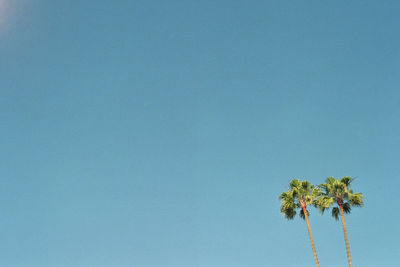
(346, 238)
(311, 237)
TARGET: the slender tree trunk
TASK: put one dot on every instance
(346, 238)
(310, 235)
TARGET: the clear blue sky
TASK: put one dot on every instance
(160, 133)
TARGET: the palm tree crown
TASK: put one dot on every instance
(338, 191)
(300, 194)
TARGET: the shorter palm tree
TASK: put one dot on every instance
(300, 195)
(337, 191)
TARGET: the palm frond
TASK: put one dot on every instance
(316, 192)
(356, 199)
(294, 183)
(302, 215)
(346, 207)
(323, 203)
(323, 187)
(335, 213)
(289, 213)
(285, 195)
(347, 180)
(330, 180)
(306, 185)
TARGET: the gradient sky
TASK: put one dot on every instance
(160, 133)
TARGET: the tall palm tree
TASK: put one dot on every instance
(300, 195)
(338, 191)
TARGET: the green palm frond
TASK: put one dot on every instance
(295, 183)
(347, 180)
(285, 195)
(301, 213)
(356, 199)
(335, 213)
(323, 203)
(306, 185)
(346, 208)
(330, 180)
(323, 187)
(289, 213)
(316, 192)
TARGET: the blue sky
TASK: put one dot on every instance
(160, 133)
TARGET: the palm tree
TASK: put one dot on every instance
(300, 195)
(337, 191)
